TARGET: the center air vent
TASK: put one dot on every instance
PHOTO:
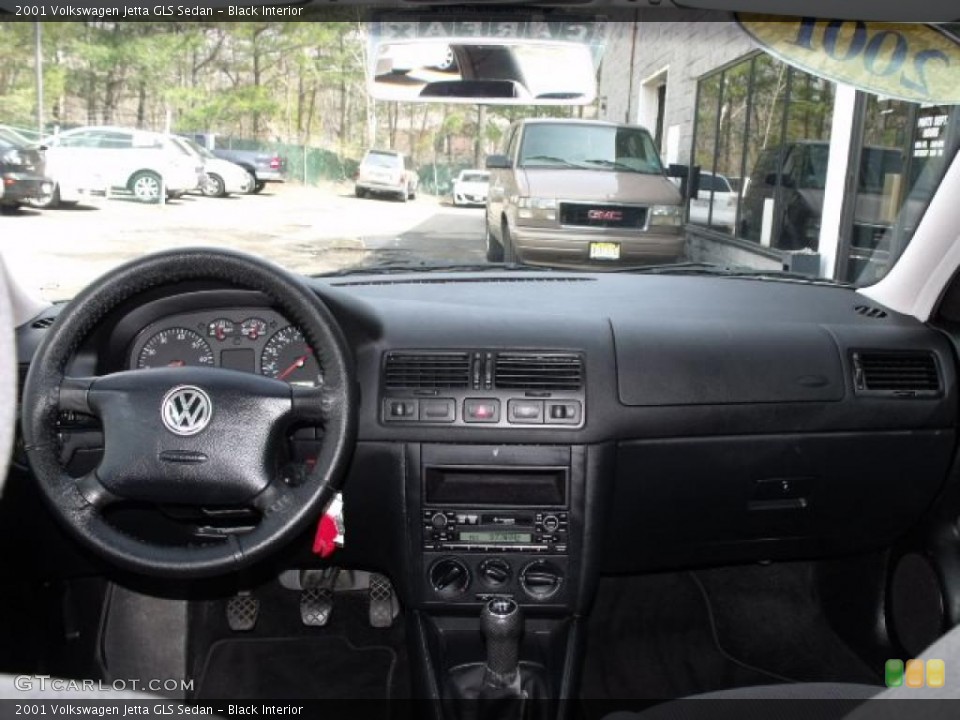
(906, 374)
(409, 370)
(538, 371)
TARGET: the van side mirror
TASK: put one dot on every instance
(689, 179)
(498, 162)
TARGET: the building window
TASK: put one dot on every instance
(762, 143)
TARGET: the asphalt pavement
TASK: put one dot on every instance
(307, 229)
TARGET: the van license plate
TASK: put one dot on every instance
(604, 251)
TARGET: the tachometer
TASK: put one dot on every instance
(287, 356)
(175, 347)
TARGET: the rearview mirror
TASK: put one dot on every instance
(498, 162)
(529, 63)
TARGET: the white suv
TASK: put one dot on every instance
(148, 164)
(387, 172)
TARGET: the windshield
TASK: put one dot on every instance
(687, 142)
(385, 160)
(597, 147)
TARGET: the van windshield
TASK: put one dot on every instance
(378, 159)
(589, 147)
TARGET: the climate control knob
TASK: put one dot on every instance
(494, 572)
(449, 577)
(541, 579)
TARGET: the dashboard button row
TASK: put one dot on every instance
(484, 411)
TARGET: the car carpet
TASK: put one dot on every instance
(672, 635)
(282, 658)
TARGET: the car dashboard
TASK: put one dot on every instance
(525, 432)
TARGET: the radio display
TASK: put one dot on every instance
(495, 537)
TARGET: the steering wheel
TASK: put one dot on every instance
(195, 436)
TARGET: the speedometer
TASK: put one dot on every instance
(287, 356)
(175, 347)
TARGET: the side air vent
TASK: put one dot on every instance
(413, 371)
(43, 323)
(870, 311)
(902, 374)
(538, 371)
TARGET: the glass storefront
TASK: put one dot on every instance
(762, 143)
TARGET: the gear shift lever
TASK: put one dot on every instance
(501, 623)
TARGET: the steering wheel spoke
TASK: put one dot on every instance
(94, 492)
(310, 405)
(75, 395)
(277, 497)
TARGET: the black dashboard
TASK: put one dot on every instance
(664, 421)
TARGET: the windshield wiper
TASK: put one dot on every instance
(704, 268)
(616, 165)
(418, 266)
(548, 158)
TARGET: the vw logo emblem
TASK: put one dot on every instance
(186, 410)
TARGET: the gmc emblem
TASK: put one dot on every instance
(608, 215)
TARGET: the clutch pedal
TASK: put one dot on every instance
(242, 611)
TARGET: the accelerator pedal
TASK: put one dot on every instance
(384, 606)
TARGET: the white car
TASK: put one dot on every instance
(724, 202)
(387, 172)
(221, 177)
(471, 187)
(147, 164)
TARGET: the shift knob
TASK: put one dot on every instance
(501, 623)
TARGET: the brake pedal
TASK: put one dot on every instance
(242, 611)
(384, 606)
(316, 596)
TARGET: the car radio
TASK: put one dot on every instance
(527, 530)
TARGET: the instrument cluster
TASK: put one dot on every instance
(254, 339)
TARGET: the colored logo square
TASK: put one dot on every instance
(914, 674)
(893, 673)
(936, 673)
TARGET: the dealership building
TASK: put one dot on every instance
(823, 176)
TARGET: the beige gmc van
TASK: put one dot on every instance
(581, 193)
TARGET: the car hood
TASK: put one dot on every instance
(598, 185)
(224, 167)
(471, 186)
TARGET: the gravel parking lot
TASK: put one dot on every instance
(308, 229)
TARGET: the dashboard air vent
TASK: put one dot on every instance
(538, 371)
(870, 311)
(43, 323)
(414, 370)
(906, 374)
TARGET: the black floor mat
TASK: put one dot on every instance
(305, 668)
(672, 635)
(282, 658)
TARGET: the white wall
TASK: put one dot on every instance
(687, 50)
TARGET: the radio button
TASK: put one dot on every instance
(551, 523)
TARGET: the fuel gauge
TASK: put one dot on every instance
(253, 328)
(221, 329)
